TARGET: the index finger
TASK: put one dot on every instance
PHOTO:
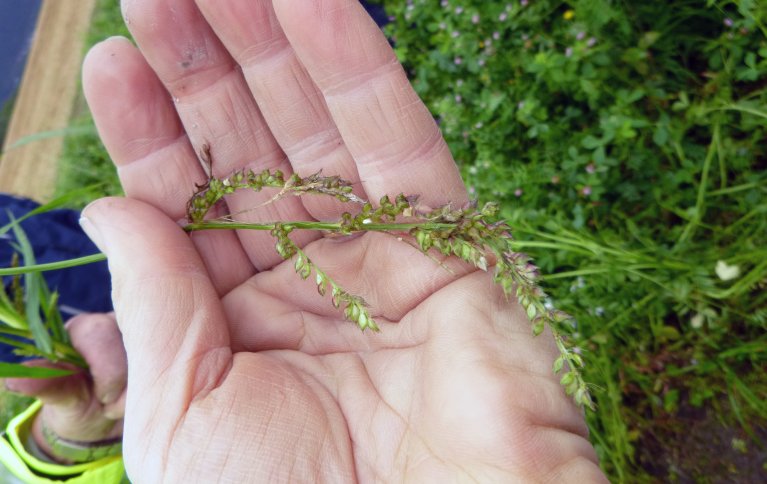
(393, 138)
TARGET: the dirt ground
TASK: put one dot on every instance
(695, 446)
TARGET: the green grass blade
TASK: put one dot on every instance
(53, 319)
(54, 133)
(21, 345)
(17, 370)
(32, 285)
(9, 316)
(52, 266)
(8, 313)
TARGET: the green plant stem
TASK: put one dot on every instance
(52, 266)
(61, 351)
(689, 230)
(305, 225)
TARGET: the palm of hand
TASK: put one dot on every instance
(450, 387)
(239, 371)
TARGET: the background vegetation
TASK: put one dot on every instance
(625, 140)
(626, 143)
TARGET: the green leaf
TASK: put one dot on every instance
(52, 266)
(53, 319)
(54, 133)
(8, 313)
(668, 333)
(591, 142)
(33, 282)
(9, 316)
(17, 370)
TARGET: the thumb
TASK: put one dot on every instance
(169, 314)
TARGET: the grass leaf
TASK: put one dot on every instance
(50, 266)
(53, 133)
(8, 313)
(32, 284)
(17, 370)
(53, 319)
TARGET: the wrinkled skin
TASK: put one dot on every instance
(238, 370)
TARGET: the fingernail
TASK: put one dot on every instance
(92, 232)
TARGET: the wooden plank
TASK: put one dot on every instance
(45, 98)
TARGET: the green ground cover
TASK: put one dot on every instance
(84, 161)
(626, 142)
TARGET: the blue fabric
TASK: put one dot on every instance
(56, 236)
(377, 12)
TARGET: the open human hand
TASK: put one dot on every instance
(86, 406)
(239, 371)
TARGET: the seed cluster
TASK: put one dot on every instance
(469, 233)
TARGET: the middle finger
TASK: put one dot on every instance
(291, 103)
(216, 108)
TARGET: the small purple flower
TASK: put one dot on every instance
(523, 3)
(478, 125)
(442, 26)
(458, 61)
(458, 98)
(586, 191)
(481, 62)
(728, 22)
(530, 269)
(518, 192)
(580, 35)
(569, 52)
(503, 16)
(496, 35)
(591, 42)
(392, 18)
(591, 168)
(455, 34)
(444, 3)
(475, 19)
